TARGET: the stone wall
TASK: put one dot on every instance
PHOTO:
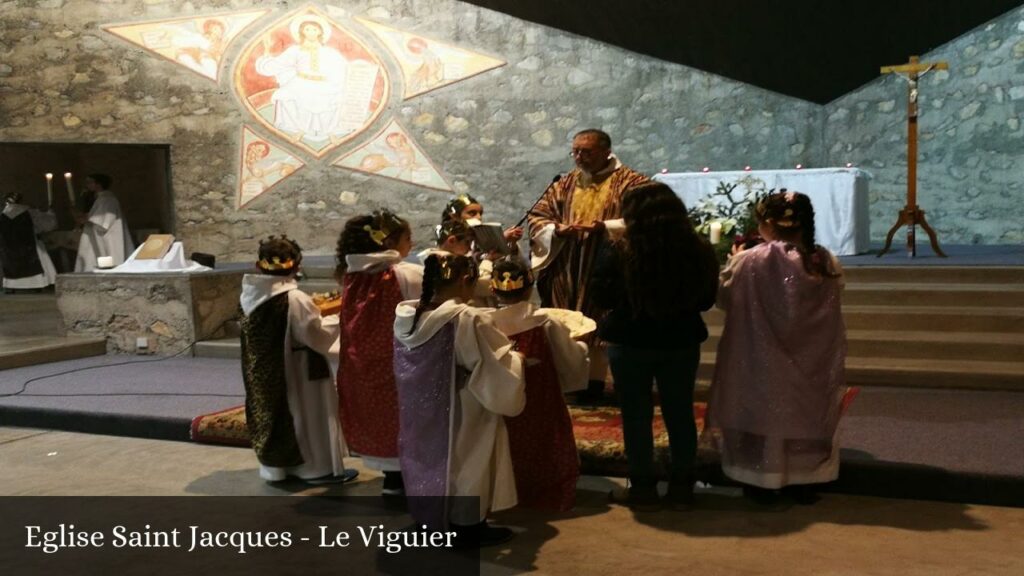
(501, 135)
(971, 143)
(172, 310)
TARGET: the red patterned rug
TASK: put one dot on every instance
(598, 435)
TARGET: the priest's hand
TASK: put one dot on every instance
(595, 226)
(563, 230)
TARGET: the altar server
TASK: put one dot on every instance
(457, 378)
(374, 279)
(542, 442)
(104, 229)
(290, 402)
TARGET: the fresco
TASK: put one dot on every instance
(393, 154)
(310, 85)
(197, 43)
(311, 81)
(428, 64)
(262, 166)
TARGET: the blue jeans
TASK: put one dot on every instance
(635, 371)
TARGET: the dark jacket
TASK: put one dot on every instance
(624, 326)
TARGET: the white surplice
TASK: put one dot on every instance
(572, 363)
(313, 404)
(480, 463)
(105, 233)
(42, 222)
(409, 275)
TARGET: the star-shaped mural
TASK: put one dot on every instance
(310, 81)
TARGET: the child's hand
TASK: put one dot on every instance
(513, 234)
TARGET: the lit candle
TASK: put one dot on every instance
(706, 169)
(715, 232)
(49, 190)
(746, 168)
(799, 166)
(71, 190)
(664, 170)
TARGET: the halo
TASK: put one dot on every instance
(310, 17)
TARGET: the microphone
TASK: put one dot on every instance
(539, 198)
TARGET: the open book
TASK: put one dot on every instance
(489, 236)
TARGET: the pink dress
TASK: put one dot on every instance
(779, 378)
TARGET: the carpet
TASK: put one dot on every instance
(598, 433)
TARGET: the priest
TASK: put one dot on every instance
(104, 230)
(567, 226)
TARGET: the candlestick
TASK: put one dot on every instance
(715, 232)
(49, 190)
(71, 190)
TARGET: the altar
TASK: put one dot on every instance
(839, 195)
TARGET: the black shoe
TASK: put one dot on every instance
(345, 477)
(762, 496)
(679, 496)
(802, 494)
(393, 484)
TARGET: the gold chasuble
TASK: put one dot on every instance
(574, 200)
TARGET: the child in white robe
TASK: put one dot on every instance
(457, 379)
(543, 444)
(374, 279)
(290, 400)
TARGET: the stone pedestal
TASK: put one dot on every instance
(173, 310)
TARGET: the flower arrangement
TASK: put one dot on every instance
(733, 210)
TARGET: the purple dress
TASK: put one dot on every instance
(423, 376)
(779, 377)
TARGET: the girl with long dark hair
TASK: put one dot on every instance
(656, 282)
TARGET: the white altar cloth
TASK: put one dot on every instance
(173, 261)
(839, 195)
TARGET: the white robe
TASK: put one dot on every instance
(105, 234)
(42, 222)
(409, 275)
(570, 357)
(313, 404)
(480, 463)
(310, 93)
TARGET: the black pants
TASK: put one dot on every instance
(635, 371)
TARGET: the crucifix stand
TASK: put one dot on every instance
(911, 215)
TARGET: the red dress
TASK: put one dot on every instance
(543, 447)
(366, 377)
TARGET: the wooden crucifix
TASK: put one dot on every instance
(911, 215)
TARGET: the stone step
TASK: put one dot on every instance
(935, 274)
(219, 348)
(868, 371)
(922, 344)
(896, 294)
(34, 350)
(919, 373)
(935, 318)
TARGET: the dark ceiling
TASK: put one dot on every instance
(815, 50)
